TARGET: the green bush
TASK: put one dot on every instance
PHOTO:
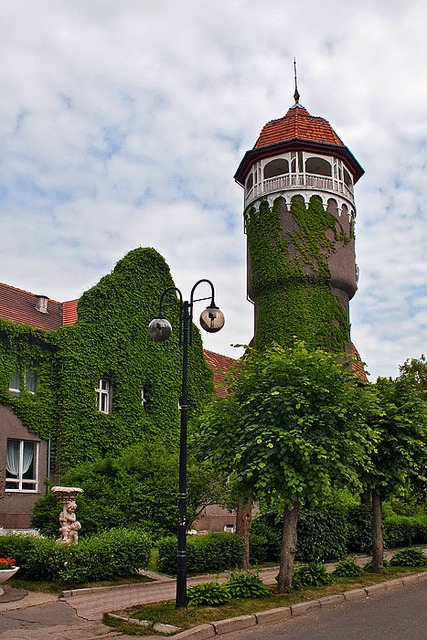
(359, 533)
(312, 575)
(347, 568)
(402, 531)
(210, 552)
(112, 554)
(369, 566)
(409, 558)
(211, 594)
(246, 585)
(322, 535)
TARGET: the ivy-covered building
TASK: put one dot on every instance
(299, 212)
(81, 379)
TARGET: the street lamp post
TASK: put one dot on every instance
(160, 329)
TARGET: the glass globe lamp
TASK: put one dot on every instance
(160, 329)
(212, 319)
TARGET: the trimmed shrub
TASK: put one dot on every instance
(312, 575)
(401, 531)
(409, 558)
(359, 533)
(112, 554)
(211, 594)
(246, 585)
(210, 552)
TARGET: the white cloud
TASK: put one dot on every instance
(122, 124)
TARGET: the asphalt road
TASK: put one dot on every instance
(399, 615)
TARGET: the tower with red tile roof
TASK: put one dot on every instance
(299, 212)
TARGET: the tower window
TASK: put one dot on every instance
(250, 182)
(347, 178)
(318, 166)
(276, 168)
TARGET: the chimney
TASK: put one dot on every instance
(41, 303)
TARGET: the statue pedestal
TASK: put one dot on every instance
(68, 525)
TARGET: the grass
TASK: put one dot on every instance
(192, 616)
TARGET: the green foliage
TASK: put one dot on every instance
(359, 536)
(347, 568)
(290, 274)
(211, 552)
(409, 558)
(246, 585)
(369, 566)
(400, 456)
(402, 531)
(211, 594)
(293, 426)
(322, 534)
(312, 575)
(110, 339)
(113, 554)
(136, 490)
(415, 369)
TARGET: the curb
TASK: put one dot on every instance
(280, 614)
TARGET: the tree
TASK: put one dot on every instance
(292, 427)
(415, 369)
(400, 456)
(137, 490)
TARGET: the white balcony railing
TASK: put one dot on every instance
(299, 181)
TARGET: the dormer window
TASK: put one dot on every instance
(103, 395)
(41, 303)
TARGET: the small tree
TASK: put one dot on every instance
(400, 456)
(292, 427)
(415, 369)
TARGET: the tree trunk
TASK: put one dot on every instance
(288, 549)
(377, 534)
(243, 525)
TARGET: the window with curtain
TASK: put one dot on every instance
(21, 465)
(15, 383)
(31, 380)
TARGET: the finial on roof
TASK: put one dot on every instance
(296, 94)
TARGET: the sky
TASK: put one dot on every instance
(122, 124)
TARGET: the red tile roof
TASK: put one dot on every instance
(69, 312)
(358, 367)
(219, 365)
(297, 123)
(18, 306)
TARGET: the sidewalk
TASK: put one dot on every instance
(78, 614)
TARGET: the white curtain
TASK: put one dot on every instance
(27, 457)
(12, 457)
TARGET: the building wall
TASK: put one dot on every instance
(16, 508)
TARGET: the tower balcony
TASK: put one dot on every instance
(300, 181)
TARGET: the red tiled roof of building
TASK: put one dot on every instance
(19, 306)
(297, 123)
(219, 365)
(358, 367)
(69, 312)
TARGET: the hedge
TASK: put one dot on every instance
(112, 554)
(403, 531)
(210, 552)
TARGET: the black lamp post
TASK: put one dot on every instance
(160, 329)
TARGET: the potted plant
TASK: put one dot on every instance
(7, 570)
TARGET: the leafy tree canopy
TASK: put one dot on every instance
(293, 426)
(415, 369)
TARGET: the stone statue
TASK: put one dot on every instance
(69, 525)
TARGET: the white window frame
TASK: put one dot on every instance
(103, 395)
(21, 482)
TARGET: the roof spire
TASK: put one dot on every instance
(296, 94)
